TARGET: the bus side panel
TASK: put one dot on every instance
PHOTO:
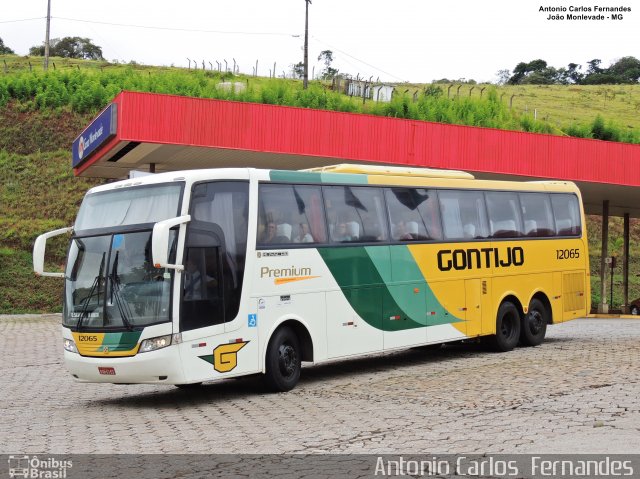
(412, 298)
(308, 309)
(574, 295)
(223, 355)
(350, 333)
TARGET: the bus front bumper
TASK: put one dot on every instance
(162, 366)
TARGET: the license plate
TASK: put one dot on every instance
(107, 371)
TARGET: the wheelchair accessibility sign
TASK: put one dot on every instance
(253, 321)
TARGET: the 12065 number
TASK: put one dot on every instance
(567, 253)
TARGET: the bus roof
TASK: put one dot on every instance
(346, 174)
(392, 171)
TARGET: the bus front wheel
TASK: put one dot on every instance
(283, 361)
(534, 324)
(507, 328)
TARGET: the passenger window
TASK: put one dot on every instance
(413, 214)
(290, 214)
(567, 214)
(537, 215)
(355, 214)
(463, 215)
(504, 214)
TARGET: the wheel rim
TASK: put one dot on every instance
(287, 360)
(535, 321)
(507, 328)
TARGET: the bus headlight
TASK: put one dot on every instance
(70, 346)
(152, 344)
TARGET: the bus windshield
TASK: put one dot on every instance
(111, 283)
(110, 279)
(129, 206)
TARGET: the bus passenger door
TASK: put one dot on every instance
(354, 321)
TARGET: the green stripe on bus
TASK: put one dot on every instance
(121, 341)
(365, 276)
(316, 177)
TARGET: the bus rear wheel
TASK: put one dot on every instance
(534, 324)
(283, 362)
(508, 326)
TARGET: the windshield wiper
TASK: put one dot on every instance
(122, 305)
(96, 284)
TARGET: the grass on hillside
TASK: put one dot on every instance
(38, 193)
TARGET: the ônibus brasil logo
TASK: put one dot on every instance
(34, 467)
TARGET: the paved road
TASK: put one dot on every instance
(578, 392)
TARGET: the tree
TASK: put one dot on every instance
(626, 68)
(519, 73)
(572, 74)
(503, 76)
(4, 50)
(326, 56)
(594, 66)
(536, 72)
(298, 70)
(70, 47)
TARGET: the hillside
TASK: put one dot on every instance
(40, 114)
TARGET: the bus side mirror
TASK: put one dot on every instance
(39, 249)
(160, 242)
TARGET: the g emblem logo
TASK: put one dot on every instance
(225, 356)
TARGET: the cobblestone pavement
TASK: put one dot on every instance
(578, 392)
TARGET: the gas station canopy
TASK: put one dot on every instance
(152, 132)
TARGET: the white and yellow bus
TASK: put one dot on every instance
(192, 276)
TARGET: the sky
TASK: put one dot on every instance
(394, 41)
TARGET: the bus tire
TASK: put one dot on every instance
(282, 361)
(507, 328)
(534, 324)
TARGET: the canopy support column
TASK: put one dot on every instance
(603, 307)
(625, 266)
